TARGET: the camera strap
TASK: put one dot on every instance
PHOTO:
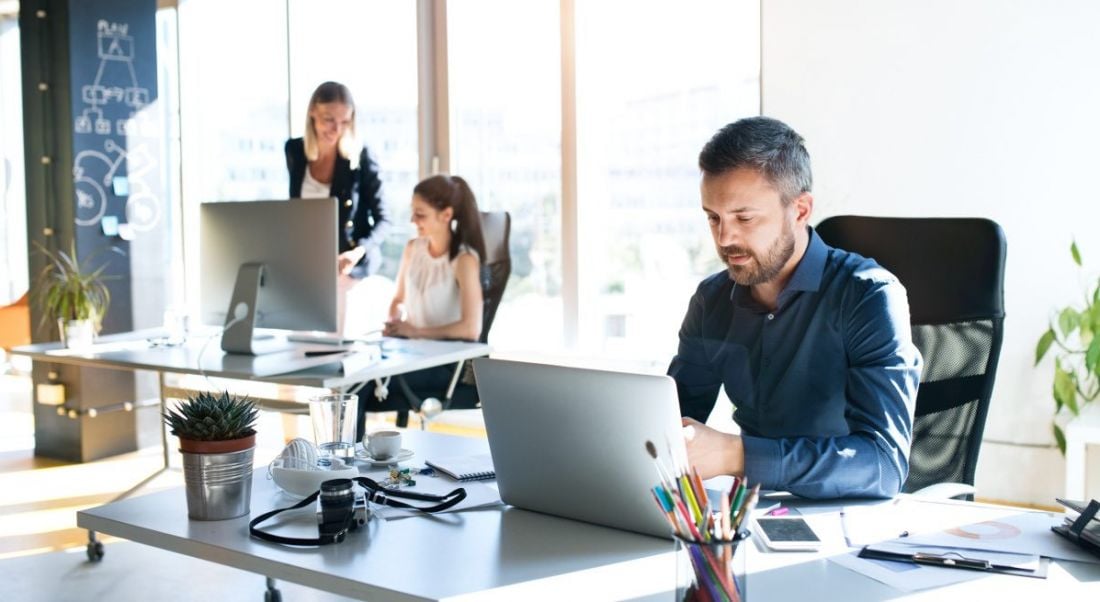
(375, 493)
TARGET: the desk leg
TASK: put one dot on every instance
(95, 549)
(163, 427)
(272, 594)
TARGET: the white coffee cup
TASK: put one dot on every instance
(383, 445)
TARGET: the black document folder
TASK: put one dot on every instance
(1084, 530)
(1023, 565)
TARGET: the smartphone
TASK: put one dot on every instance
(787, 533)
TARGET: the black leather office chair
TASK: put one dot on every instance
(953, 271)
(496, 228)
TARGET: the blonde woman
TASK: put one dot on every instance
(330, 162)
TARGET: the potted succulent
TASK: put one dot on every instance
(72, 294)
(217, 439)
(1076, 339)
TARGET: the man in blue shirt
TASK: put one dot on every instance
(811, 343)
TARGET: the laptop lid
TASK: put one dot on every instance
(572, 442)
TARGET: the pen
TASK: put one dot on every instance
(325, 352)
(687, 493)
(724, 509)
(844, 528)
(746, 508)
(700, 490)
(739, 498)
(669, 515)
(687, 519)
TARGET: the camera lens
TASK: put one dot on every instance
(335, 488)
(337, 513)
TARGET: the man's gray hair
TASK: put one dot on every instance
(766, 145)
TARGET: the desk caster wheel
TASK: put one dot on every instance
(95, 551)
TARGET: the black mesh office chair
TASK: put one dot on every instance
(953, 271)
(495, 270)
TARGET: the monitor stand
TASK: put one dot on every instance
(240, 321)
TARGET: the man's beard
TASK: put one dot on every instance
(758, 271)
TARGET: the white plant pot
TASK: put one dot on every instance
(77, 334)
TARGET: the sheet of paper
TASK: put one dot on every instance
(868, 524)
(1018, 533)
(902, 575)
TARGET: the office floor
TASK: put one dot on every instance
(42, 552)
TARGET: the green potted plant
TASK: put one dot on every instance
(217, 440)
(73, 295)
(1076, 340)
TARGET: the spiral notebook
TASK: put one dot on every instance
(465, 468)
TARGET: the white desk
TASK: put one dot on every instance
(133, 351)
(509, 554)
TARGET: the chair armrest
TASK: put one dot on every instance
(945, 491)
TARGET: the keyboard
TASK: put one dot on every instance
(322, 338)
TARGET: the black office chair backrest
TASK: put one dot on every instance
(953, 272)
(496, 227)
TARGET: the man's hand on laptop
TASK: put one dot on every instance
(713, 452)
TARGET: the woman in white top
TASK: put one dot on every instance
(439, 292)
(438, 284)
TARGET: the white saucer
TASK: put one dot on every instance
(362, 456)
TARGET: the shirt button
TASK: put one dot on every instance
(771, 316)
(347, 203)
(349, 224)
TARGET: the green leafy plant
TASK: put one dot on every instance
(212, 417)
(67, 289)
(1076, 339)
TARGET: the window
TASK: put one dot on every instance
(505, 118)
(646, 104)
(371, 48)
(13, 206)
(234, 118)
(234, 121)
(651, 89)
(168, 114)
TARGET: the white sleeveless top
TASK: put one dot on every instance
(431, 290)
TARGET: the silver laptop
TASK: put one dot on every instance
(571, 442)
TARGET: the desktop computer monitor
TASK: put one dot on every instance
(268, 264)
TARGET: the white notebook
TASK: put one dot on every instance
(465, 468)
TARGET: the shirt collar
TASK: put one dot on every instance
(807, 275)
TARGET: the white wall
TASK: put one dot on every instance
(960, 108)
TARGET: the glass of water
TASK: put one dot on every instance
(333, 418)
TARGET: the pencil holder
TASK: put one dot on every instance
(714, 570)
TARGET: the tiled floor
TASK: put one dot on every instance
(42, 552)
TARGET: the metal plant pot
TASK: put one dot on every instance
(219, 484)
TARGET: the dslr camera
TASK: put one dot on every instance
(341, 509)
